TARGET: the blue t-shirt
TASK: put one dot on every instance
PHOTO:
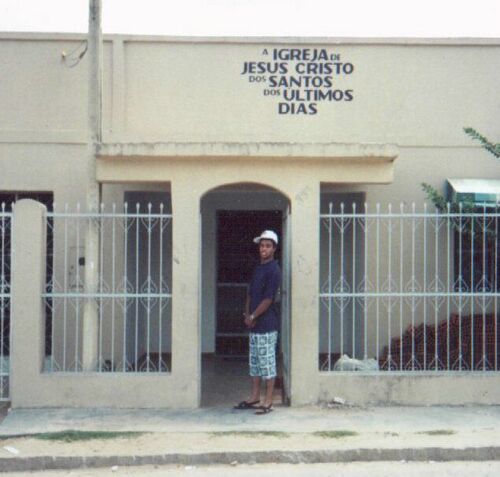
(266, 280)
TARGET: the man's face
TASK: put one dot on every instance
(266, 250)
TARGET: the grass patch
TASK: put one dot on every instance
(278, 434)
(438, 432)
(76, 436)
(335, 434)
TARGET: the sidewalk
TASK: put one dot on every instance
(222, 436)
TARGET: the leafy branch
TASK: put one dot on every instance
(485, 143)
(469, 224)
(467, 206)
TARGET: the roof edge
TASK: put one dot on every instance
(295, 40)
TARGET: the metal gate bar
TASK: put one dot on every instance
(5, 296)
(133, 295)
(409, 290)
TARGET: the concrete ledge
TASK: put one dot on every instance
(107, 390)
(411, 389)
(255, 150)
(437, 454)
(162, 165)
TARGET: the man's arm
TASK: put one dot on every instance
(260, 310)
(246, 315)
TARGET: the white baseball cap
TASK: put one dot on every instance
(268, 235)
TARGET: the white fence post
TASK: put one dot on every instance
(90, 318)
(5, 231)
(28, 282)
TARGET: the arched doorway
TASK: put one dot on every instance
(231, 216)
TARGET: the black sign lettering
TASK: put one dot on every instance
(302, 78)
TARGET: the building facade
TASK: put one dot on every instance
(208, 141)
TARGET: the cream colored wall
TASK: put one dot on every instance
(36, 167)
(41, 167)
(404, 94)
(432, 165)
(181, 90)
(43, 96)
(419, 389)
(31, 388)
(416, 96)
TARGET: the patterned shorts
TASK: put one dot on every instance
(262, 358)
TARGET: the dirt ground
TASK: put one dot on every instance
(193, 442)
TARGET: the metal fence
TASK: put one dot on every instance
(409, 290)
(5, 260)
(133, 295)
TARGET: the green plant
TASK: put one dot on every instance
(438, 432)
(442, 204)
(74, 436)
(251, 434)
(466, 206)
(485, 143)
(335, 434)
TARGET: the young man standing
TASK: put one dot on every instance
(262, 318)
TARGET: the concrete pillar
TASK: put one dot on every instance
(186, 335)
(118, 111)
(94, 120)
(304, 298)
(28, 283)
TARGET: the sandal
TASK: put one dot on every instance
(247, 405)
(261, 410)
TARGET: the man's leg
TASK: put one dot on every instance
(271, 362)
(255, 396)
(269, 392)
(253, 362)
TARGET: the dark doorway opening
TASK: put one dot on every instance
(225, 373)
(236, 258)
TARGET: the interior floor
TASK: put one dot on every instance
(225, 382)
